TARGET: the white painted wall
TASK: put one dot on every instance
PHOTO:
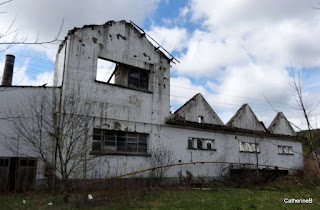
(227, 150)
(15, 100)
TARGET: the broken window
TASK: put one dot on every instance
(200, 119)
(201, 144)
(138, 79)
(248, 147)
(119, 141)
(105, 71)
(123, 75)
(287, 150)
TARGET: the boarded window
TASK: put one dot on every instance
(119, 141)
(248, 147)
(287, 150)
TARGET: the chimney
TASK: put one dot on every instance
(8, 71)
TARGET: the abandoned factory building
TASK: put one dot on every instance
(130, 117)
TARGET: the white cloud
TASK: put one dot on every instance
(206, 54)
(170, 38)
(270, 31)
(256, 82)
(244, 48)
(182, 89)
(45, 17)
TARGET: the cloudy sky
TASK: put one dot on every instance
(233, 51)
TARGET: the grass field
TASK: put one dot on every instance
(174, 198)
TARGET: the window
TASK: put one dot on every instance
(23, 162)
(190, 143)
(201, 144)
(119, 141)
(248, 147)
(138, 79)
(285, 150)
(200, 119)
(4, 162)
(122, 75)
(105, 71)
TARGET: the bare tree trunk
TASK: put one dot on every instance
(302, 106)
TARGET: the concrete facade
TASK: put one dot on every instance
(126, 110)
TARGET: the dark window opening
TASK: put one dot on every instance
(4, 162)
(23, 162)
(200, 119)
(199, 143)
(119, 141)
(190, 143)
(31, 163)
(138, 79)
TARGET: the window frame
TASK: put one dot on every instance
(200, 119)
(249, 147)
(281, 150)
(200, 141)
(124, 142)
(127, 69)
(139, 85)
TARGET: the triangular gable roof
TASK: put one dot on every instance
(195, 107)
(246, 119)
(280, 125)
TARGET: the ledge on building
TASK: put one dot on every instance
(125, 87)
(202, 149)
(250, 152)
(285, 154)
(119, 153)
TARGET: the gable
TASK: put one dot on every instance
(116, 41)
(197, 107)
(280, 125)
(246, 119)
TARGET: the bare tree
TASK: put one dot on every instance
(306, 110)
(56, 130)
(12, 35)
(161, 156)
